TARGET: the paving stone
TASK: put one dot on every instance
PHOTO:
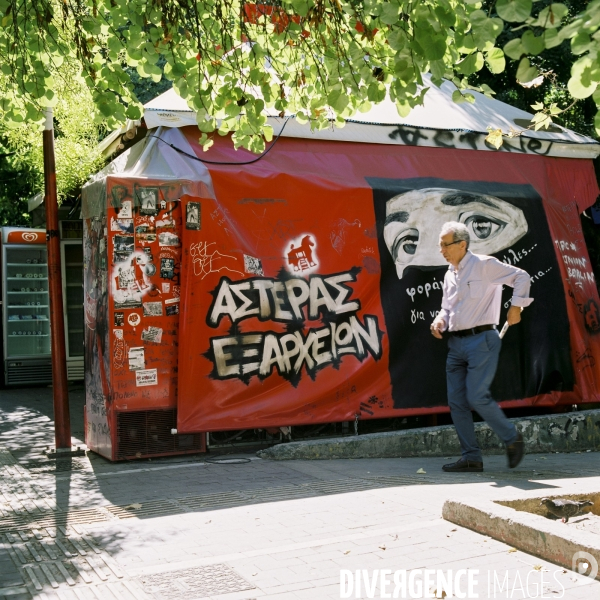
(289, 548)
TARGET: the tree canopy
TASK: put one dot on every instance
(77, 154)
(318, 59)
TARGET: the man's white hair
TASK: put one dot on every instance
(459, 232)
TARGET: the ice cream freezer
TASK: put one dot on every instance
(25, 307)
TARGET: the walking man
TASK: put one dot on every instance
(472, 293)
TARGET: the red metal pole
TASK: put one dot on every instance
(62, 418)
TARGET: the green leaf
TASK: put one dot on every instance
(495, 60)
(268, 133)
(494, 137)
(389, 13)
(403, 108)
(525, 72)
(471, 64)
(365, 106)
(582, 84)
(376, 92)
(438, 69)
(581, 43)
(133, 112)
(487, 90)
(514, 49)
(300, 7)
(538, 106)
(338, 100)
(552, 38)
(457, 97)
(514, 11)
(551, 16)
(554, 110)
(533, 45)
(446, 17)
(543, 121)
(433, 44)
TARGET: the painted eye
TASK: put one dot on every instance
(405, 243)
(409, 244)
(484, 227)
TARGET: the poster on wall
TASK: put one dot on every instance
(506, 221)
(310, 302)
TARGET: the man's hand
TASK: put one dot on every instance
(436, 329)
(514, 315)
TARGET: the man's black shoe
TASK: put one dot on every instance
(464, 466)
(515, 452)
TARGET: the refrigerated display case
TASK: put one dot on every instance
(71, 254)
(25, 307)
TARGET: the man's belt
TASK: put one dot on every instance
(473, 330)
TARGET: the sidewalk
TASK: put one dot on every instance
(181, 528)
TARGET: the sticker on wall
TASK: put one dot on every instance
(146, 377)
(127, 299)
(167, 268)
(126, 211)
(152, 334)
(145, 234)
(119, 194)
(172, 305)
(125, 286)
(193, 216)
(147, 200)
(166, 288)
(301, 254)
(125, 277)
(119, 349)
(153, 309)
(172, 310)
(119, 319)
(123, 247)
(122, 225)
(166, 238)
(253, 265)
(136, 358)
(134, 319)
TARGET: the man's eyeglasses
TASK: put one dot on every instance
(442, 245)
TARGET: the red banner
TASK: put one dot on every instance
(309, 283)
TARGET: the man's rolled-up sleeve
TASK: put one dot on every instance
(503, 274)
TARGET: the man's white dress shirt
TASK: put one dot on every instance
(473, 292)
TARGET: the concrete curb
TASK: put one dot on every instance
(551, 540)
(566, 432)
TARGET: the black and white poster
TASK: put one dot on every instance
(147, 200)
(507, 221)
(193, 216)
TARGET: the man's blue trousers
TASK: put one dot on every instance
(470, 369)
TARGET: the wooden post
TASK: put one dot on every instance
(60, 390)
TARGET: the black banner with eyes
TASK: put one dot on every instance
(507, 221)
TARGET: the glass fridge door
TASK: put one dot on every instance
(72, 261)
(27, 301)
